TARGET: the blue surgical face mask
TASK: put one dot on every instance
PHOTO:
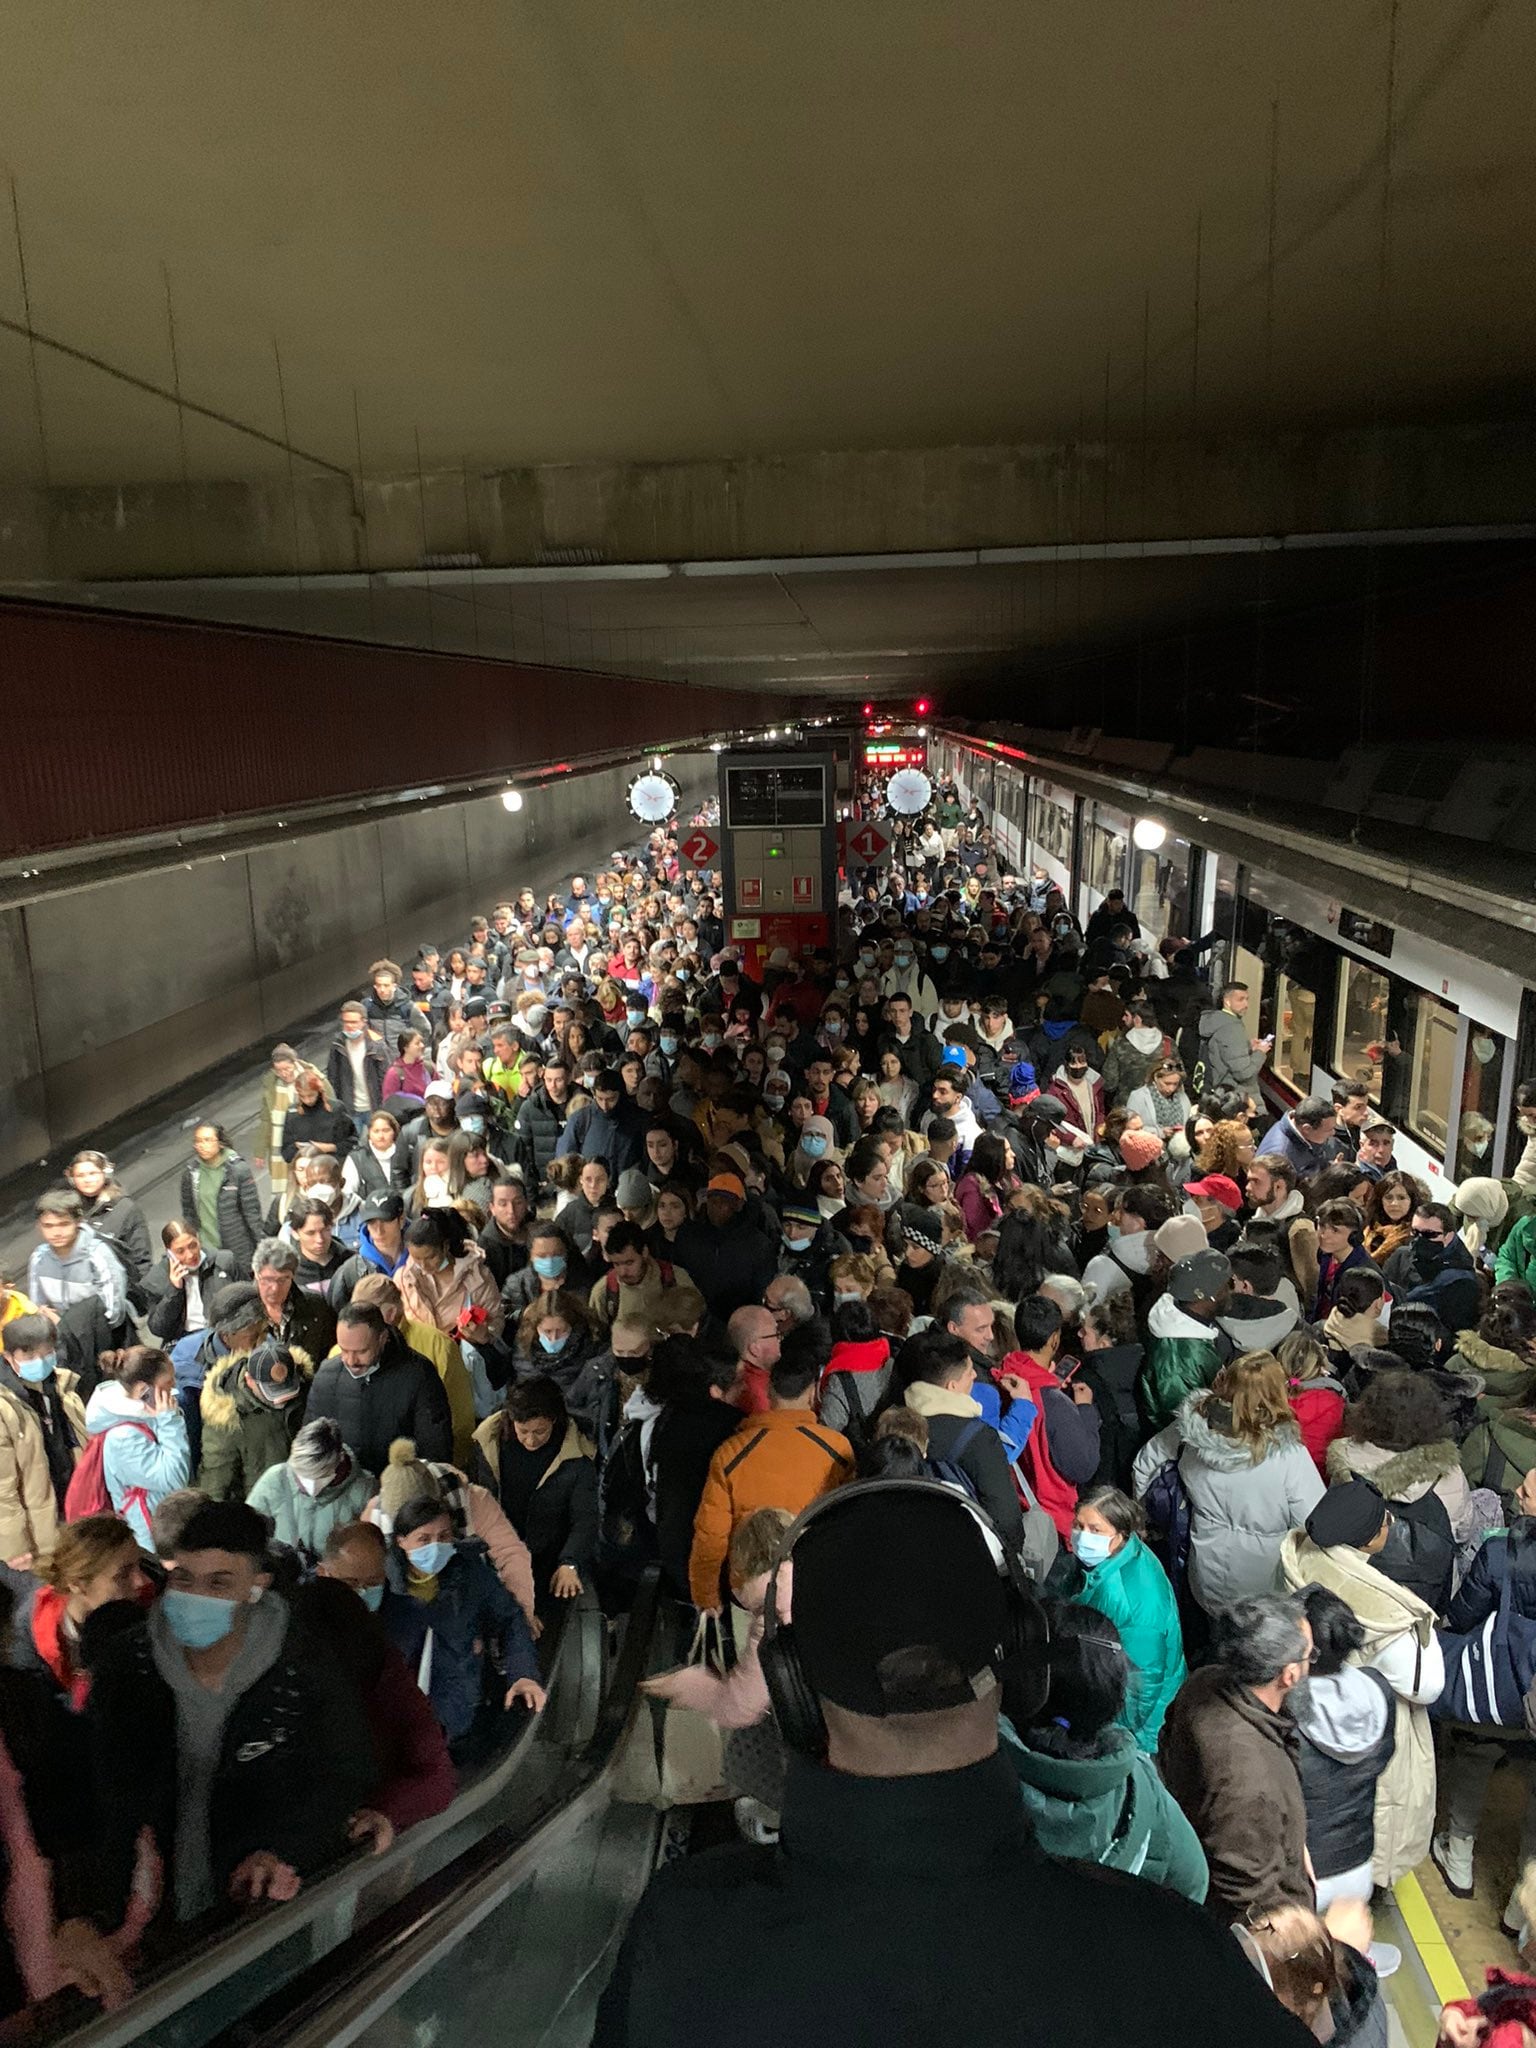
(1091, 1546)
(636, 1016)
(669, 1043)
(796, 1244)
(903, 959)
(843, 981)
(475, 1125)
(833, 1027)
(842, 1300)
(685, 974)
(428, 1559)
(813, 1145)
(938, 952)
(372, 1597)
(351, 1030)
(197, 1620)
(553, 1345)
(38, 1369)
(550, 1266)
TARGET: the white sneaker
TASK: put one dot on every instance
(758, 1823)
(1452, 1857)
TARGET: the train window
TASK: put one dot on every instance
(1295, 1022)
(1481, 1080)
(1434, 1070)
(1106, 854)
(1362, 1028)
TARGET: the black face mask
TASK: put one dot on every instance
(1428, 1257)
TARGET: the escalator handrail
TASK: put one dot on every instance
(209, 1962)
(368, 1971)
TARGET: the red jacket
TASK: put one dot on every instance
(1056, 1495)
(1318, 1406)
(1069, 1103)
(416, 1778)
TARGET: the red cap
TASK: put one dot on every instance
(1217, 1187)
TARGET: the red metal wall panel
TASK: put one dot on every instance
(116, 725)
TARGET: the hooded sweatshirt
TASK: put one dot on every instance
(1348, 1734)
(1111, 1271)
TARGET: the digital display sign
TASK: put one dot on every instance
(791, 795)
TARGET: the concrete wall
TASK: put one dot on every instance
(120, 993)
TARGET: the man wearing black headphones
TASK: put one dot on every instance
(907, 1902)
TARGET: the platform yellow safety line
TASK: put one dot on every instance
(1440, 1965)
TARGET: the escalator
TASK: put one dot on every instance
(502, 1913)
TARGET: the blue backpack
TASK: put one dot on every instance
(949, 1469)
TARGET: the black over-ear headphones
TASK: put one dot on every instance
(1020, 1658)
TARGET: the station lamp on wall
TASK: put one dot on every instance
(511, 799)
(1148, 834)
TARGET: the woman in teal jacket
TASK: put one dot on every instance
(1090, 1793)
(1123, 1580)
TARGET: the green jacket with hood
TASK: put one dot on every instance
(1132, 1589)
(1183, 1356)
(242, 1434)
(1111, 1809)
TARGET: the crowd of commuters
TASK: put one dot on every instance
(587, 1250)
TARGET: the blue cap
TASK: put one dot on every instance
(953, 1056)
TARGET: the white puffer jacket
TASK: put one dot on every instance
(1240, 1512)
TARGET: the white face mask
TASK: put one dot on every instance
(434, 1187)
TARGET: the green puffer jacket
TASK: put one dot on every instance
(1112, 1809)
(1517, 1254)
(1183, 1357)
(1500, 1451)
(1508, 1379)
(1132, 1589)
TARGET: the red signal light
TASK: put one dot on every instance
(868, 709)
(922, 707)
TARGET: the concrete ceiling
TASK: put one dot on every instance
(645, 284)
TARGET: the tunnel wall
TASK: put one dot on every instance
(120, 992)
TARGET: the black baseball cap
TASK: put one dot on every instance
(388, 1206)
(892, 1569)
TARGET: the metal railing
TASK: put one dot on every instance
(533, 1778)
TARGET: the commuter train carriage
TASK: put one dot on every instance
(1440, 1033)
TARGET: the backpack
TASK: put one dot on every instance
(1490, 1669)
(87, 1492)
(949, 1470)
(859, 1428)
(611, 1280)
(1168, 1512)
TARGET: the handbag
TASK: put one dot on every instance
(675, 1756)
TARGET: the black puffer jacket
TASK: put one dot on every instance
(404, 1397)
(295, 1763)
(239, 1211)
(1348, 1726)
(730, 1267)
(536, 1133)
(167, 1316)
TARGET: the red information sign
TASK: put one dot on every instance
(869, 844)
(749, 891)
(805, 889)
(698, 849)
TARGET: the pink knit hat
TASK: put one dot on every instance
(1140, 1148)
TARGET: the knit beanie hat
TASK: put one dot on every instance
(406, 1478)
(1140, 1148)
(1180, 1237)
